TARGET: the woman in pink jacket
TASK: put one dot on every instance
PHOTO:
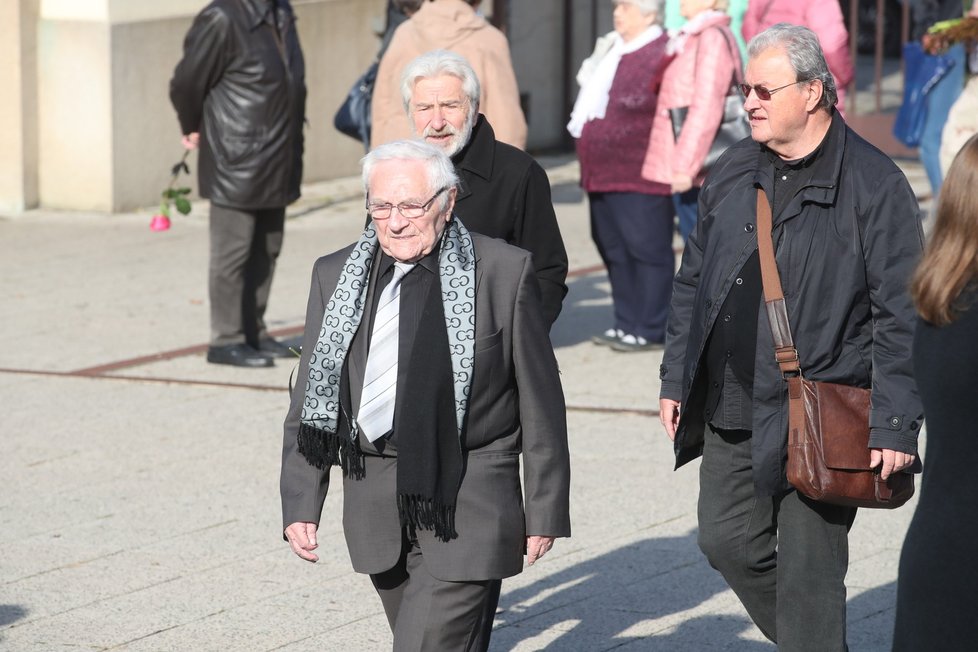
(824, 18)
(706, 64)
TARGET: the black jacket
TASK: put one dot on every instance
(846, 246)
(242, 86)
(504, 193)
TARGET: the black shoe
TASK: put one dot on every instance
(272, 348)
(609, 337)
(238, 355)
(632, 343)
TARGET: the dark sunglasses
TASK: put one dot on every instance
(763, 93)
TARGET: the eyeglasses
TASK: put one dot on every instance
(764, 94)
(407, 210)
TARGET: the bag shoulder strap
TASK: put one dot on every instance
(777, 313)
(734, 54)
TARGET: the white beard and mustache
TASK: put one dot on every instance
(460, 137)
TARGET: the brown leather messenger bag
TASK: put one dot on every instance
(828, 423)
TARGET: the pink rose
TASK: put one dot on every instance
(159, 223)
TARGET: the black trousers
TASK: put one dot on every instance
(429, 614)
(633, 233)
(244, 245)
(785, 557)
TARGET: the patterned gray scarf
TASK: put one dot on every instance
(341, 319)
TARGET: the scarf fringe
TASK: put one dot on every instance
(418, 512)
(323, 449)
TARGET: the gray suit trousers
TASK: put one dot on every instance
(426, 613)
(785, 557)
(244, 245)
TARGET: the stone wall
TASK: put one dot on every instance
(89, 122)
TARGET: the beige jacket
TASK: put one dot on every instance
(449, 25)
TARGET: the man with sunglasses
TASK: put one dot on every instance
(846, 237)
(427, 376)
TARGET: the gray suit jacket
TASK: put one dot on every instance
(516, 406)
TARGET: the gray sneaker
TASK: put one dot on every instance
(609, 337)
(631, 343)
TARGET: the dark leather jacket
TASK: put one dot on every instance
(846, 246)
(242, 86)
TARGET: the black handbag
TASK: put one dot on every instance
(734, 126)
(353, 116)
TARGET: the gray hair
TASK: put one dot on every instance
(440, 171)
(646, 7)
(804, 53)
(437, 63)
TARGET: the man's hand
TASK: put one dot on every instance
(536, 547)
(302, 538)
(669, 416)
(681, 183)
(190, 141)
(891, 460)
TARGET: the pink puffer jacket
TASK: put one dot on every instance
(699, 78)
(823, 17)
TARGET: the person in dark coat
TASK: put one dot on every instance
(239, 93)
(503, 192)
(847, 236)
(935, 607)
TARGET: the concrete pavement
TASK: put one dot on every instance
(140, 508)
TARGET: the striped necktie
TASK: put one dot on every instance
(376, 415)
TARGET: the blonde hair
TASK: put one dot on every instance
(950, 259)
(721, 5)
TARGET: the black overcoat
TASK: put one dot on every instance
(846, 246)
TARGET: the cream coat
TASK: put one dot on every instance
(449, 25)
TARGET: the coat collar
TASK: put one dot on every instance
(477, 156)
(259, 11)
(826, 171)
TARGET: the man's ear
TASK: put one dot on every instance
(450, 204)
(815, 91)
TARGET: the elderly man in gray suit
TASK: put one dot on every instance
(428, 370)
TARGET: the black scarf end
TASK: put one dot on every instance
(419, 513)
(323, 449)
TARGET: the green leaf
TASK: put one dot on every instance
(182, 205)
(170, 193)
(183, 191)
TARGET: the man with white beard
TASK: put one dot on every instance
(503, 192)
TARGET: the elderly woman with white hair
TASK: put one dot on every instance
(706, 64)
(631, 217)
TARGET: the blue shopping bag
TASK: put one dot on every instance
(921, 72)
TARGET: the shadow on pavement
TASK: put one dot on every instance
(11, 613)
(586, 311)
(870, 617)
(604, 597)
(594, 604)
(569, 192)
